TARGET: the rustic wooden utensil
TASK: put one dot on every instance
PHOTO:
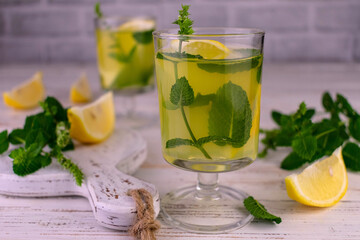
(106, 184)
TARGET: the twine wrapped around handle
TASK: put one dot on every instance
(146, 225)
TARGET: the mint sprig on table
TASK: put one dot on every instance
(44, 136)
(259, 211)
(311, 140)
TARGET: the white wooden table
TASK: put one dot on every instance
(284, 87)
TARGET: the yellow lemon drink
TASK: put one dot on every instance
(125, 52)
(209, 95)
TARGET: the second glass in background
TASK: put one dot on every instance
(125, 55)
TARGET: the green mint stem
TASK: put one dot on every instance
(192, 134)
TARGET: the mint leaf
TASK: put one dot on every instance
(305, 146)
(182, 93)
(202, 100)
(216, 139)
(259, 211)
(25, 162)
(184, 22)
(354, 127)
(344, 106)
(98, 10)
(292, 161)
(52, 107)
(230, 66)
(175, 142)
(144, 37)
(4, 142)
(276, 116)
(329, 136)
(351, 155)
(170, 55)
(230, 115)
(17, 136)
(120, 57)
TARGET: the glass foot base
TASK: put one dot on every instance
(218, 212)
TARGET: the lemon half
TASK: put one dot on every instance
(26, 95)
(93, 122)
(322, 184)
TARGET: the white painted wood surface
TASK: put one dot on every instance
(284, 87)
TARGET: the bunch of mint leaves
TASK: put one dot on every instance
(311, 140)
(44, 136)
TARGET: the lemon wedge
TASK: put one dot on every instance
(93, 122)
(80, 91)
(208, 49)
(26, 95)
(322, 184)
(137, 25)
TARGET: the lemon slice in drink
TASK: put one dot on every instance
(137, 25)
(26, 95)
(208, 49)
(322, 184)
(80, 91)
(93, 122)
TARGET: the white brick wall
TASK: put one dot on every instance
(296, 30)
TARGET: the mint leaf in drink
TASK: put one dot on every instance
(292, 161)
(144, 37)
(259, 211)
(98, 10)
(230, 115)
(351, 155)
(276, 116)
(182, 93)
(202, 100)
(226, 67)
(184, 22)
(171, 55)
(120, 57)
(305, 146)
(175, 142)
(4, 142)
(17, 136)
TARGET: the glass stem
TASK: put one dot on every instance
(128, 105)
(207, 187)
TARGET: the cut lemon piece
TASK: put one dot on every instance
(93, 122)
(27, 94)
(322, 184)
(137, 25)
(208, 49)
(80, 91)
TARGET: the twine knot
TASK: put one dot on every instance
(145, 225)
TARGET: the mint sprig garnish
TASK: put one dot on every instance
(259, 211)
(184, 22)
(311, 140)
(49, 129)
(97, 10)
